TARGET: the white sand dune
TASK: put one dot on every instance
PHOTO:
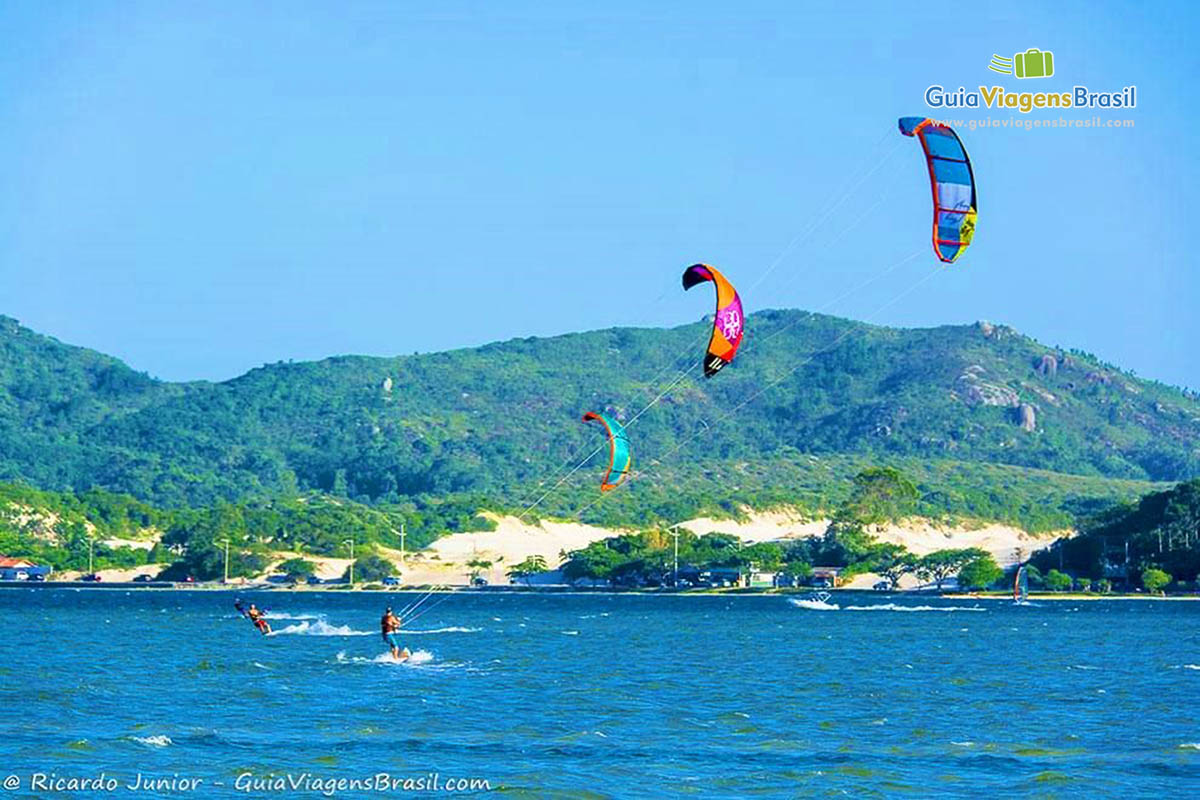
(445, 560)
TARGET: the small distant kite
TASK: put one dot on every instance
(954, 204)
(728, 322)
(620, 457)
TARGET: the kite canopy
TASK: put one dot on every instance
(620, 457)
(727, 324)
(953, 183)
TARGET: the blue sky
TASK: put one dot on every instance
(203, 188)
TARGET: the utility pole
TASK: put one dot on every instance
(351, 543)
(225, 543)
(91, 550)
(403, 534)
(675, 573)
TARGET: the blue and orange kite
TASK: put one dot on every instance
(954, 203)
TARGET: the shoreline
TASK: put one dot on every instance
(572, 590)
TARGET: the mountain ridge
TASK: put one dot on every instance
(498, 419)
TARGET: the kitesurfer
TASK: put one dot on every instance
(241, 609)
(259, 620)
(389, 628)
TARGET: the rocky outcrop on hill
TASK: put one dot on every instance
(1027, 417)
(972, 389)
(1047, 366)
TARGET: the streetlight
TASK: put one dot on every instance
(225, 543)
(403, 534)
(351, 543)
(675, 574)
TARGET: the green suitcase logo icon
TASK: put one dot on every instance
(1034, 63)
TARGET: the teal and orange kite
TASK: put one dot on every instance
(620, 457)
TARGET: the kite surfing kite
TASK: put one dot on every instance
(727, 325)
(620, 456)
(953, 183)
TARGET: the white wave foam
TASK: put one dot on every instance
(1185, 666)
(569, 633)
(319, 628)
(417, 657)
(1190, 746)
(897, 607)
(285, 615)
(152, 741)
(814, 605)
(452, 629)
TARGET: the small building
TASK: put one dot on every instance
(20, 569)
(831, 574)
(761, 579)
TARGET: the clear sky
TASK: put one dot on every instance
(200, 188)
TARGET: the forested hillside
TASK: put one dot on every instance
(963, 409)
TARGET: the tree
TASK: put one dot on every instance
(296, 568)
(1057, 581)
(845, 542)
(596, 561)
(530, 566)
(941, 564)
(892, 562)
(799, 570)
(1154, 579)
(980, 573)
(371, 568)
(880, 494)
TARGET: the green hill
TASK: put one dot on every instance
(968, 410)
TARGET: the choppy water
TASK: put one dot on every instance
(608, 696)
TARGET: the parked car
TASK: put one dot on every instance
(391, 580)
(822, 583)
(882, 586)
(37, 577)
(143, 579)
(312, 580)
(92, 578)
(479, 582)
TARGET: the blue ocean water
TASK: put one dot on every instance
(597, 696)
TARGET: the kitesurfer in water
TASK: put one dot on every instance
(241, 609)
(389, 628)
(259, 620)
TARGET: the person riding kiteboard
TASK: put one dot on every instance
(259, 620)
(389, 628)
